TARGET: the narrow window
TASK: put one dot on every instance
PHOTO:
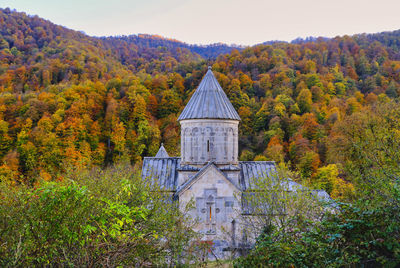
(208, 145)
(210, 213)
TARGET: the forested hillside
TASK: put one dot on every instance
(71, 99)
(154, 41)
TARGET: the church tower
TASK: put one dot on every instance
(208, 174)
(209, 126)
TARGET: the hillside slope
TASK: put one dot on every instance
(70, 99)
(156, 41)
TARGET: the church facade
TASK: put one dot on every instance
(208, 172)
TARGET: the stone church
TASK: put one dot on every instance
(208, 171)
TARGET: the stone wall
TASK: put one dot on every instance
(216, 210)
(209, 140)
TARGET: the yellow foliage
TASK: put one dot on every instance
(260, 158)
(45, 175)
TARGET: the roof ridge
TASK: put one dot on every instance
(191, 180)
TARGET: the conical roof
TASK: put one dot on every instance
(209, 102)
(162, 153)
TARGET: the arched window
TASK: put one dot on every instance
(210, 205)
(195, 151)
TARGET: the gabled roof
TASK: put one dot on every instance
(162, 153)
(162, 171)
(253, 170)
(209, 101)
(201, 172)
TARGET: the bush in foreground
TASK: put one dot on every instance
(93, 218)
(353, 237)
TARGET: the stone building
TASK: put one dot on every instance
(208, 171)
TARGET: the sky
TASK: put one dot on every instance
(240, 22)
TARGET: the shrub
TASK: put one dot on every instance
(353, 237)
(93, 218)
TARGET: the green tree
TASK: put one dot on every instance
(93, 218)
(304, 100)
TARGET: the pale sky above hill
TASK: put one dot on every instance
(244, 22)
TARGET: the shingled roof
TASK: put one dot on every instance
(162, 171)
(209, 101)
(252, 171)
